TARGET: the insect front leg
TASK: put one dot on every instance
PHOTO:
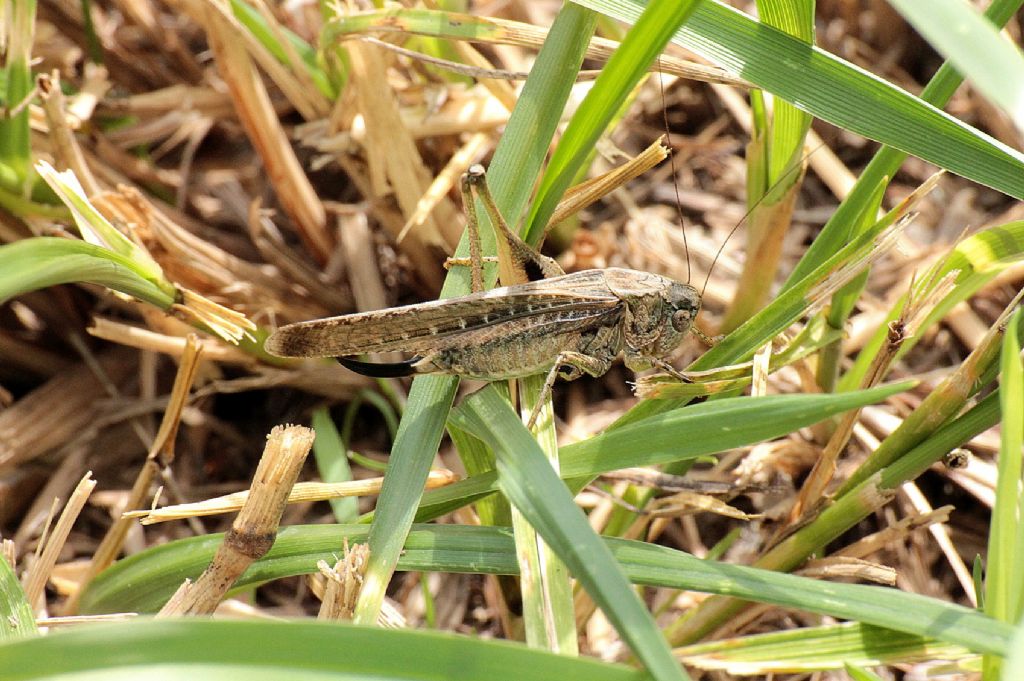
(637, 363)
(569, 365)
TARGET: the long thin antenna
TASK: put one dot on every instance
(794, 168)
(672, 165)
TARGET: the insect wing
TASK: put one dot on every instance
(415, 328)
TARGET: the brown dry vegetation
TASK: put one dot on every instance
(254, 190)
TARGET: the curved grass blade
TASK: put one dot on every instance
(39, 262)
(202, 650)
(839, 92)
(142, 582)
(676, 435)
(975, 47)
(527, 479)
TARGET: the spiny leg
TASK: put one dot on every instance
(466, 262)
(476, 273)
(518, 262)
(578, 364)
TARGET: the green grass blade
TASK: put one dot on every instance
(839, 92)
(142, 582)
(987, 58)
(644, 42)
(17, 84)
(867, 191)
(1005, 550)
(516, 161)
(799, 651)
(533, 488)
(16, 617)
(39, 262)
(332, 463)
(710, 427)
(270, 651)
(1013, 667)
(677, 435)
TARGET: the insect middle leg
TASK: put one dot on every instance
(569, 365)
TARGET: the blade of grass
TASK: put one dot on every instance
(677, 435)
(16, 617)
(989, 60)
(628, 64)
(816, 649)
(15, 149)
(527, 479)
(266, 651)
(840, 93)
(1003, 589)
(142, 582)
(332, 463)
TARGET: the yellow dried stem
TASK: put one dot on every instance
(438, 190)
(144, 339)
(39, 573)
(586, 193)
(301, 492)
(68, 155)
(263, 126)
(254, 530)
(160, 455)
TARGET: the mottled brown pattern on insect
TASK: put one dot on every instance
(516, 330)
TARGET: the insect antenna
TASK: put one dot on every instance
(672, 166)
(795, 167)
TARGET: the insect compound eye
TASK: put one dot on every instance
(681, 319)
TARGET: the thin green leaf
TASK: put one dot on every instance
(676, 435)
(16, 617)
(17, 84)
(533, 488)
(144, 581)
(268, 651)
(1005, 547)
(332, 463)
(975, 47)
(838, 92)
(816, 648)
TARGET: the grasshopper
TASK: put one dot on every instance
(566, 325)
